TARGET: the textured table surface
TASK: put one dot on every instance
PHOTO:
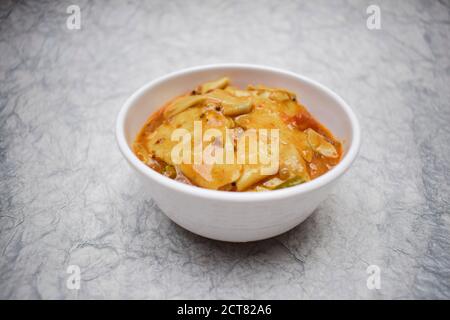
(67, 197)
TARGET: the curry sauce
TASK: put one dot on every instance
(227, 128)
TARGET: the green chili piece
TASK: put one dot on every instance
(290, 183)
(169, 171)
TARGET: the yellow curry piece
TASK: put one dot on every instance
(306, 148)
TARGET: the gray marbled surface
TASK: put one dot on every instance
(67, 196)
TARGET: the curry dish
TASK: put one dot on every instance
(303, 147)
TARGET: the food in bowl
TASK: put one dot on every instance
(237, 216)
(225, 138)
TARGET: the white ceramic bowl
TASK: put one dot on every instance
(233, 216)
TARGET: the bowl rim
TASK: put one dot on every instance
(195, 191)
